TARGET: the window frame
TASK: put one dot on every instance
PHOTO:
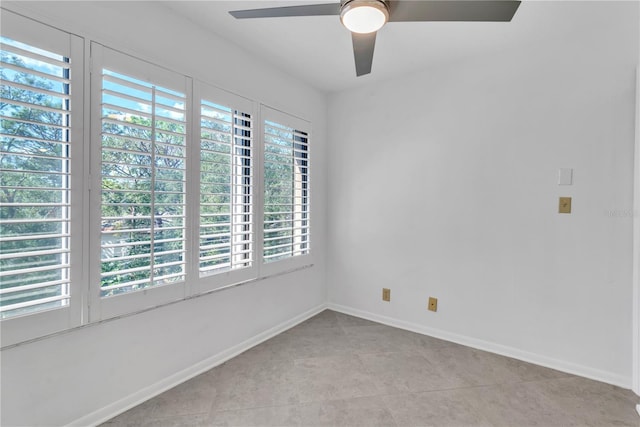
(29, 326)
(298, 261)
(200, 284)
(103, 57)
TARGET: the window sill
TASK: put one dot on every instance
(134, 313)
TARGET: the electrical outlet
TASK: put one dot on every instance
(386, 294)
(564, 205)
(433, 304)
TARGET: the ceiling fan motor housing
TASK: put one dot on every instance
(364, 16)
(343, 3)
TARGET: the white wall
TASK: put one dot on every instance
(444, 183)
(636, 246)
(93, 371)
(636, 250)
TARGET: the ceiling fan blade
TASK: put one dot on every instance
(452, 10)
(363, 45)
(277, 12)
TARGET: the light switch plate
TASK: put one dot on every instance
(564, 206)
(565, 176)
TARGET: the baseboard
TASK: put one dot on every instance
(560, 365)
(134, 399)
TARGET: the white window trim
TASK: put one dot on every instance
(26, 327)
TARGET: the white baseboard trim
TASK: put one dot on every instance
(116, 408)
(560, 365)
(638, 409)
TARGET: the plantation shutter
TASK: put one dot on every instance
(226, 189)
(142, 179)
(41, 184)
(286, 232)
(34, 179)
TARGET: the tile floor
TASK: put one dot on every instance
(338, 370)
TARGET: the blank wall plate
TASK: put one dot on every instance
(565, 176)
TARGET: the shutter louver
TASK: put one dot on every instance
(286, 192)
(34, 179)
(226, 189)
(143, 185)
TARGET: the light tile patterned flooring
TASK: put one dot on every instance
(339, 370)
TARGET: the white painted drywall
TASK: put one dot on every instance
(636, 245)
(61, 379)
(444, 183)
(636, 249)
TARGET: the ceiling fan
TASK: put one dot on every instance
(365, 17)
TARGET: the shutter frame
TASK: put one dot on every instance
(231, 105)
(44, 38)
(286, 221)
(160, 142)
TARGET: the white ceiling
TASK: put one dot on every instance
(318, 49)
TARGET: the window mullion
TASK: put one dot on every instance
(153, 165)
(232, 192)
(192, 177)
(259, 189)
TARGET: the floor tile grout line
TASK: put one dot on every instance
(246, 408)
(190, 414)
(388, 409)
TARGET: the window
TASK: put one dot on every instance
(226, 231)
(142, 144)
(166, 204)
(142, 185)
(34, 185)
(286, 187)
(39, 150)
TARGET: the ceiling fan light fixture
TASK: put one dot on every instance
(364, 16)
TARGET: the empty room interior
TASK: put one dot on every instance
(280, 218)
